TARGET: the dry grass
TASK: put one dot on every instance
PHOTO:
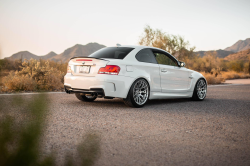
(212, 79)
(220, 78)
(2, 75)
(15, 82)
(34, 76)
(234, 75)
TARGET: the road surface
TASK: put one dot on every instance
(215, 131)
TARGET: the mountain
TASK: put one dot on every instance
(242, 55)
(220, 53)
(77, 51)
(27, 55)
(23, 55)
(240, 45)
(49, 55)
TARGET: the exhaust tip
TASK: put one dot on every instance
(68, 89)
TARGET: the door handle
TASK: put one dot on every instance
(164, 70)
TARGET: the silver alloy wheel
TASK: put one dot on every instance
(140, 92)
(201, 89)
(90, 97)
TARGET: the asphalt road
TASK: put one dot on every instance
(215, 131)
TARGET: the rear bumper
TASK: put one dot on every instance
(105, 85)
(95, 91)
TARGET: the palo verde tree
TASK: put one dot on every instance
(174, 44)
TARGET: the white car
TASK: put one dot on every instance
(134, 73)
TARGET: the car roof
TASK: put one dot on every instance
(135, 46)
(140, 47)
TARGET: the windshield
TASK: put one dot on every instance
(112, 52)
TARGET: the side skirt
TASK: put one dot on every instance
(160, 95)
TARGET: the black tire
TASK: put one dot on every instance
(195, 96)
(83, 97)
(130, 100)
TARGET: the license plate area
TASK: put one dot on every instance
(84, 69)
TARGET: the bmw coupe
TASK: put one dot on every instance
(134, 73)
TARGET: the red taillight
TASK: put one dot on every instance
(83, 60)
(109, 69)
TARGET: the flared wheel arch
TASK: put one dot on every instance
(136, 80)
(195, 83)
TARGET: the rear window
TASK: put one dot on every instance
(112, 52)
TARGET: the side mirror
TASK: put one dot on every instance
(182, 64)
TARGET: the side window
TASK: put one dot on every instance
(164, 59)
(146, 55)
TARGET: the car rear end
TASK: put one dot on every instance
(101, 74)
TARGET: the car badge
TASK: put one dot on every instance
(83, 63)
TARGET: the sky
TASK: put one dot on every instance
(55, 25)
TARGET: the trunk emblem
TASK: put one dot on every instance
(83, 63)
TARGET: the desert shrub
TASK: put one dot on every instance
(6, 64)
(212, 78)
(234, 75)
(47, 77)
(17, 82)
(34, 75)
(246, 68)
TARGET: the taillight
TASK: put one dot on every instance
(69, 69)
(109, 69)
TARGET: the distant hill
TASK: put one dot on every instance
(242, 55)
(27, 55)
(49, 55)
(76, 50)
(220, 53)
(23, 55)
(79, 50)
(240, 45)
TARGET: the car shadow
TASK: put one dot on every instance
(167, 101)
(116, 102)
(210, 105)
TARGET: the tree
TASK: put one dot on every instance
(249, 66)
(174, 44)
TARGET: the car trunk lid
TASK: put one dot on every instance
(87, 67)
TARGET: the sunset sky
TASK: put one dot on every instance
(55, 25)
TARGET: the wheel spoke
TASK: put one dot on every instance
(137, 99)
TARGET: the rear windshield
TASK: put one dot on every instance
(112, 52)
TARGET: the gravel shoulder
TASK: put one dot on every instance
(165, 132)
(238, 81)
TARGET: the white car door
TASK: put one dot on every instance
(174, 79)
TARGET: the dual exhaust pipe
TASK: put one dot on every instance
(98, 92)
(69, 90)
